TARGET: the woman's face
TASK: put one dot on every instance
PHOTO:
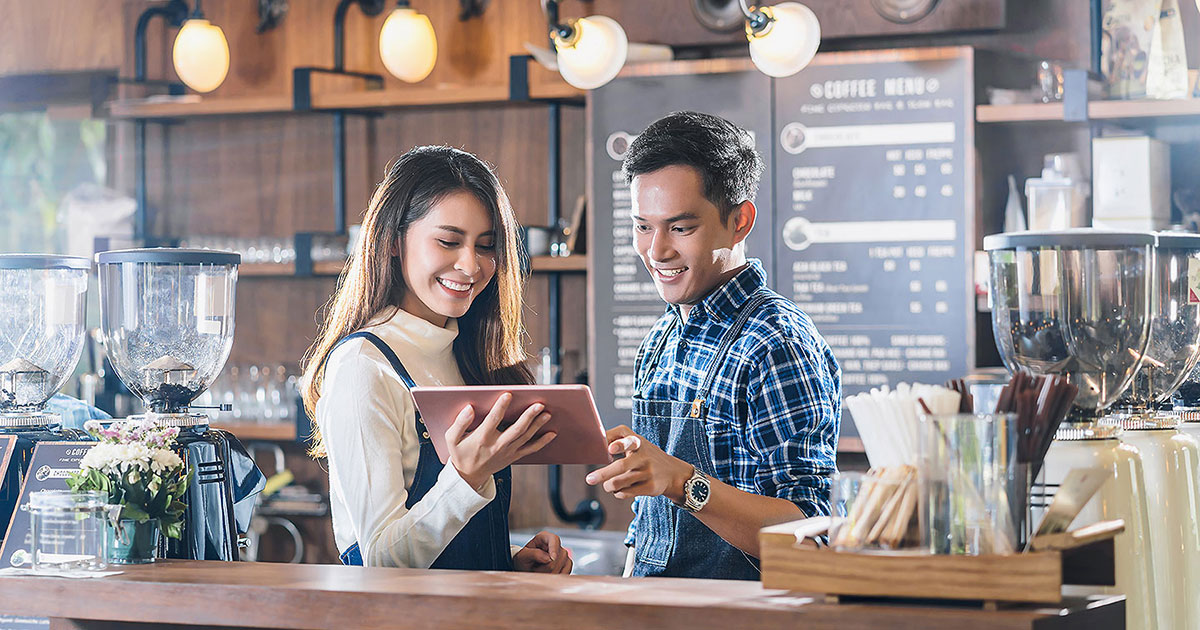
(448, 257)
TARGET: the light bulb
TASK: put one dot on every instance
(408, 45)
(201, 55)
(594, 54)
(789, 42)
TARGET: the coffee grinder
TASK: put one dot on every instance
(167, 319)
(42, 328)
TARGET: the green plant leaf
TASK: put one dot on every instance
(173, 529)
(135, 513)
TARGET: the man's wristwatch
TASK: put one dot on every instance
(696, 491)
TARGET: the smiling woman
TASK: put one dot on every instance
(432, 297)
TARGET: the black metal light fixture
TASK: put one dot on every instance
(783, 38)
(591, 50)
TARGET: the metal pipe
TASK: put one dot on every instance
(339, 34)
(554, 181)
(589, 514)
(139, 172)
(339, 172)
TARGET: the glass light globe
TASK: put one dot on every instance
(595, 54)
(790, 41)
(201, 55)
(408, 45)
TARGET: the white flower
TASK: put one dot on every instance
(163, 459)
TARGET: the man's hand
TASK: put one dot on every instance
(645, 470)
(543, 554)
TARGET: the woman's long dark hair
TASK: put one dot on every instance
(488, 349)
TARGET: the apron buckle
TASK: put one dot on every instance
(696, 407)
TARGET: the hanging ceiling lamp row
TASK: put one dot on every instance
(590, 50)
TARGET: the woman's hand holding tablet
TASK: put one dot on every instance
(452, 414)
(489, 448)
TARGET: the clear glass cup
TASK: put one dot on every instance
(972, 491)
(69, 530)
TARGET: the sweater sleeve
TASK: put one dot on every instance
(361, 411)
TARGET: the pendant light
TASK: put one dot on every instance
(407, 44)
(783, 38)
(201, 53)
(591, 50)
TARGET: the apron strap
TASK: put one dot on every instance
(653, 356)
(388, 354)
(748, 308)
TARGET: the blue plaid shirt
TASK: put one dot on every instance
(774, 410)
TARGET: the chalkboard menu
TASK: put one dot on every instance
(624, 303)
(52, 462)
(874, 198)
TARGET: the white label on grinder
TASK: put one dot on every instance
(210, 304)
(62, 302)
(1193, 281)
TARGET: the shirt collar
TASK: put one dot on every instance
(397, 323)
(726, 301)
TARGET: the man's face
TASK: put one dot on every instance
(680, 237)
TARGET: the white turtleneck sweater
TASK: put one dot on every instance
(367, 419)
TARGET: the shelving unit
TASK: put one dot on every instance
(163, 109)
(1097, 110)
(562, 264)
(265, 431)
(535, 84)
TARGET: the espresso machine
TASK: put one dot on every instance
(166, 317)
(42, 301)
(1077, 303)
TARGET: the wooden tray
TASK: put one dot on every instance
(1023, 577)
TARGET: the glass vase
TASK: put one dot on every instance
(133, 542)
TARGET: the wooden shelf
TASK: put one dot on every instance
(287, 270)
(329, 268)
(542, 84)
(1022, 112)
(267, 431)
(571, 264)
(1107, 110)
(411, 97)
(134, 109)
(851, 445)
(266, 270)
(1097, 110)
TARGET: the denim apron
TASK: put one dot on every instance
(669, 540)
(482, 545)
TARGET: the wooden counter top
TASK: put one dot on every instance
(262, 595)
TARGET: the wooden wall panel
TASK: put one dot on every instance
(60, 35)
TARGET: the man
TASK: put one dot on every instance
(738, 398)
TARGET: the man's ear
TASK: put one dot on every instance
(743, 217)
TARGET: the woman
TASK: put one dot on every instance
(433, 296)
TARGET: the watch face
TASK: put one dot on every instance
(699, 492)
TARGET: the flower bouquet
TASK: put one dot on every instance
(134, 464)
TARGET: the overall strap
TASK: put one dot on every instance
(748, 308)
(387, 354)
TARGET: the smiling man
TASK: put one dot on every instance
(738, 398)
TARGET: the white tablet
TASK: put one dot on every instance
(573, 417)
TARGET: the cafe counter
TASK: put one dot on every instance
(180, 593)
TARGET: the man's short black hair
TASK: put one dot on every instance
(721, 151)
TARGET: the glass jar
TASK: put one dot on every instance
(69, 530)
